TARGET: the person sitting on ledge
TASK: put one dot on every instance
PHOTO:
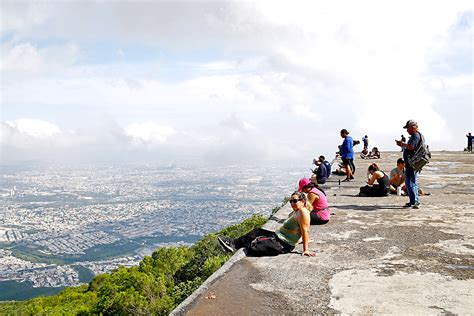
(381, 188)
(260, 242)
(320, 214)
(323, 170)
(374, 154)
(340, 171)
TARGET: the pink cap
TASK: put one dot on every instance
(302, 183)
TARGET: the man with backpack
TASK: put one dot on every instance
(414, 142)
(326, 164)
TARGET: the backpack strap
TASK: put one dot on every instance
(420, 143)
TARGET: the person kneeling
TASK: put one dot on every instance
(397, 177)
(260, 242)
(381, 188)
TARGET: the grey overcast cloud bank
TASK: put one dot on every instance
(228, 82)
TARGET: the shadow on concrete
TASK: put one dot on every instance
(368, 207)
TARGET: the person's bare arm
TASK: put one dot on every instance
(304, 221)
(373, 178)
(405, 145)
(409, 147)
(312, 197)
(395, 177)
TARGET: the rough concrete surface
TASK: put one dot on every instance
(373, 257)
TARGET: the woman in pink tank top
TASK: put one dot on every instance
(320, 214)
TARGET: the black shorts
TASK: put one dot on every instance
(346, 161)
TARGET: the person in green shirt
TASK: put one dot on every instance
(260, 242)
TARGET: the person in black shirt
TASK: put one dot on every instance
(381, 188)
(469, 142)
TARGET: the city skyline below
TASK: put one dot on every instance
(61, 226)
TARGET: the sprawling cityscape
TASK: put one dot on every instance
(63, 225)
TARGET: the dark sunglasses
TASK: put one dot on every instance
(293, 201)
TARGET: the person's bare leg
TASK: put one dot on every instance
(393, 189)
(348, 172)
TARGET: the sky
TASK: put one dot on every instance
(229, 82)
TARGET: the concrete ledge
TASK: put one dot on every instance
(276, 220)
(190, 300)
(273, 223)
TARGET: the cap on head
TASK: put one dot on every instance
(344, 131)
(322, 158)
(411, 123)
(303, 182)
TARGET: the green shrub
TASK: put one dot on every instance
(69, 301)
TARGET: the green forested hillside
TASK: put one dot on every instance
(156, 286)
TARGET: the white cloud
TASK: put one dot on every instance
(235, 123)
(22, 57)
(303, 111)
(27, 139)
(23, 17)
(25, 59)
(261, 69)
(149, 132)
(33, 128)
